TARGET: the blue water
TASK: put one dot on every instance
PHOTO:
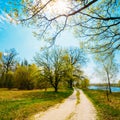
(114, 89)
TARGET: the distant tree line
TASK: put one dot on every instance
(55, 67)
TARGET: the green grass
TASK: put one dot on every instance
(78, 97)
(19, 105)
(107, 110)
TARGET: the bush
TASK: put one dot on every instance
(23, 79)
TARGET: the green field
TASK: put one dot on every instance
(20, 105)
(107, 110)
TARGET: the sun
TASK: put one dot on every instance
(59, 7)
(53, 7)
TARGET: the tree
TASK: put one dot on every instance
(25, 77)
(85, 83)
(9, 83)
(96, 20)
(59, 65)
(24, 63)
(76, 56)
(41, 82)
(52, 66)
(7, 79)
(9, 60)
(7, 65)
(74, 59)
(109, 69)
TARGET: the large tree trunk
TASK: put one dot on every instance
(70, 83)
(56, 89)
(109, 85)
(55, 83)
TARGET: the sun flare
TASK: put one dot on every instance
(59, 7)
(53, 7)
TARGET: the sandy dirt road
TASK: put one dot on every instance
(69, 110)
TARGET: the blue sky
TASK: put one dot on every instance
(22, 39)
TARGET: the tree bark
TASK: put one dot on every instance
(109, 85)
(70, 83)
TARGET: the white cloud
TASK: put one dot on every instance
(5, 54)
(5, 17)
(1, 19)
(10, 19)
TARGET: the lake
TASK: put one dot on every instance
(114, 89)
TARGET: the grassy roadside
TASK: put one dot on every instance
(106, 110)
(19, 105)
(78, 97)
